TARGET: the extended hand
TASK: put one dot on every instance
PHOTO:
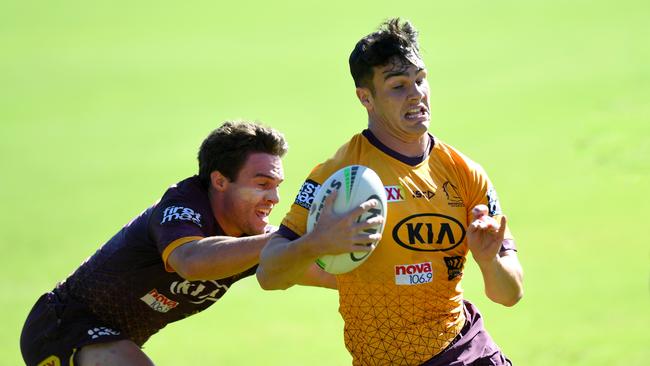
(485, 235)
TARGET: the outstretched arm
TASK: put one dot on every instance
(284, 263)
(501, 270)
(216, 256)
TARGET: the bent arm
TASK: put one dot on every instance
(503, 278)
(316, 276)
(284, 263)
(500, 267)
(216, 256)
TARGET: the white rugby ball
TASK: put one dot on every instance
(355, 184)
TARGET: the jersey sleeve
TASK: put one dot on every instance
(481, 191)
(174, 223)
(294, 224)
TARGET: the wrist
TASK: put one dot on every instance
(487, 263)
(307, 248)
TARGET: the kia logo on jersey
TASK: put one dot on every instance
(429, 232)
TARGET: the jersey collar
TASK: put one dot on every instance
(412, 161)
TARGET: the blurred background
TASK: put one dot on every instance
(103, 105)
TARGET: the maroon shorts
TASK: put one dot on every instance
(473, 346)
(57, 327)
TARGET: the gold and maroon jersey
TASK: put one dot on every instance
(404, 304)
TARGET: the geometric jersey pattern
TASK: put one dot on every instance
(389, 318)
(384, 325)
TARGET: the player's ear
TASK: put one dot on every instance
(365, 97)
(218, 181)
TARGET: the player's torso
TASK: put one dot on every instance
(125, 282)
(426, 223)
(406, 298)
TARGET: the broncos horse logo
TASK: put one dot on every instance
(453, 197)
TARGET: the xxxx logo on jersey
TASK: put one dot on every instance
(394, 193)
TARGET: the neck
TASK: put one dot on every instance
(411, 146)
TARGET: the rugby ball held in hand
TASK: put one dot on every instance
(355, 184)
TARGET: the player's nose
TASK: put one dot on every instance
(273, 196)
(417, 92)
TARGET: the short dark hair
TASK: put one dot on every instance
(393, 38)
(227, 148)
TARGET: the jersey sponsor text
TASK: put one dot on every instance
(158, 301)
(429, 232)
(394, 193)
(181, 213)
(307, 193)
(424, 194)
(413, 274)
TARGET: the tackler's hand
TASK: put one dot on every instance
(485, 235)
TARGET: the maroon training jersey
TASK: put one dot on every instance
(127, 284)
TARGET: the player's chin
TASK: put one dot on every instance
(258, 226)
(416, 126)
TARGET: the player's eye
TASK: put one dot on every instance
(261, 183)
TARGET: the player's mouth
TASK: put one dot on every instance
(418, 113)
(263, 213)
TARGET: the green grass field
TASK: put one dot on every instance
(103, 105)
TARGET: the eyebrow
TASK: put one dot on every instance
(390, 73)
(262, 175)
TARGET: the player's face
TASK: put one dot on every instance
(249, 199)
(399, 105)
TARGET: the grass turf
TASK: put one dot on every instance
(102, 106)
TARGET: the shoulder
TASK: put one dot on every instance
(188, 190)
(186, 200)
(345, 155)
(449, 155)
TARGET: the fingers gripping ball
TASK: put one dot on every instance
(355, 184)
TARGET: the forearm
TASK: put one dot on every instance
(503, 278)
(316, 276)
(217, 256)
(284, 263)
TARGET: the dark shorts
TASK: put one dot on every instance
(57, 327)
(473, 346)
